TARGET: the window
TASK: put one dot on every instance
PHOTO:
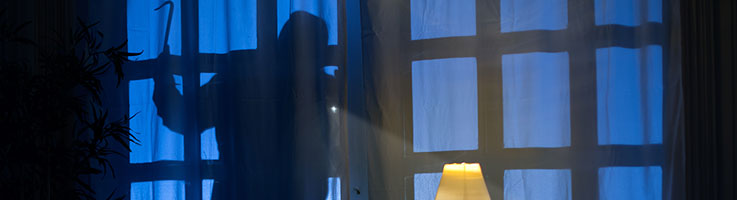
(327, 10)
(158, 142)
(426, 185)
(147, 30)
(627, 112)
(227, 25)
(164, 189)
(443, 18)
(536, 100)
(559, 87)
(628, 12)
(537, 184)
(528, 15)
(630, 182)
(445, 108)
(170, 77)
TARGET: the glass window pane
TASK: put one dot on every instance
(146, 28)
(522, 184)
(426, 185)
(636, 183)
(333, 188)
(629, 85)
(205, 78)
(209, 145)
(442, 18)
(207, 185)
(227, 25)
(444, 105)
(526, 15)
(536, 100)
(628, 12)
(325, 9)
(158, 142)
(157, 190)
(330, 70)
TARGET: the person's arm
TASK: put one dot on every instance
(169, 103)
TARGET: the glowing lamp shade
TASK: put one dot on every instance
(462, 181)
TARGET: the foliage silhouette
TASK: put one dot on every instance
(56, 131)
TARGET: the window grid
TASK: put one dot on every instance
(584, 156)
(189, 65)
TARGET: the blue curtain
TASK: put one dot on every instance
(234, 99)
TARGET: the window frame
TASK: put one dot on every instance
(584, 156)
(193, 170)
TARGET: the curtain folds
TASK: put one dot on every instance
(234, 99)
(557, 99)
(709, 89)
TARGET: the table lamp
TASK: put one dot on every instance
(462, 181)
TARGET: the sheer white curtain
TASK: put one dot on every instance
(233, 99)
(557, 99)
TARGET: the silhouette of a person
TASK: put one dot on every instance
(303, 45)
(275, 143)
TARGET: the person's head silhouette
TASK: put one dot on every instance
(303, 41)
(288, 157)
(302, 48)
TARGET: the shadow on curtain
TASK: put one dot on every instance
(557, 99)
(264, 111)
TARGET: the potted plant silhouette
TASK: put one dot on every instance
(55, 129)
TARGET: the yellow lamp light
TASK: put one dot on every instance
(462, 181)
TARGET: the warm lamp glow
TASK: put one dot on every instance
(462, 181)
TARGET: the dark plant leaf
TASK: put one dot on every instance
(64, 84)
(113, 193)
(84, 185)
